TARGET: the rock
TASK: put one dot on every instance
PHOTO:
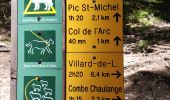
(2, 45)
(1, 66)
(165, 59)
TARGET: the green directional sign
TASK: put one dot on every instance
(39, 11)
(40, 46)
(39, 88)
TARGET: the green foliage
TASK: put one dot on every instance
(142, 12)
(144, 17)
(142, 45)
(147, 20)
(139, 16)
(5, 13)
(5, 39)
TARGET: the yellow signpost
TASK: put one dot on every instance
(94, 50)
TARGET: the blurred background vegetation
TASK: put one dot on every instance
(5, 13)
(5, 20)
(146, 22)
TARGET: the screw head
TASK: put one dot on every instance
(94, 58)
(40, 61)
(37, 78)
(39, 33)
(94, 47)
(38, 18)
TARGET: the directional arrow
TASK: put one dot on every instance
(117, 15)
(117, 73)
(118, 98)
(117, 39)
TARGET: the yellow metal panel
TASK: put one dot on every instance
(94, 50)
(100, 32)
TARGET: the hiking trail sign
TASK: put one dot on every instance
(40, 11)
(94, 50)
(42, 46)
(40, 56)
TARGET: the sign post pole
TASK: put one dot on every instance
(13, 49)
